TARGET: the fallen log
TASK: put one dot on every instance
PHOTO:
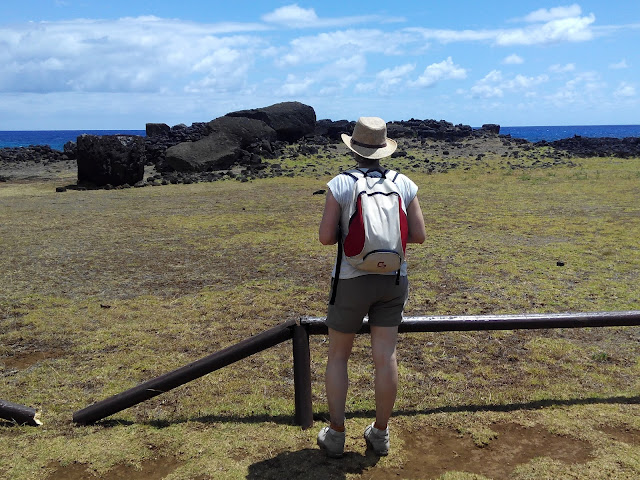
(19, 414)
(185, 374)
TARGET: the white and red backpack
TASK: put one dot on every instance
(376, 237)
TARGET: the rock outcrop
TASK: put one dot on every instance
(110, 159)
(491, 127)
(597, 147)
(290, 120)
(156, 129)
(159, 139)
(227, 143)
(33, 153)
(333, 129)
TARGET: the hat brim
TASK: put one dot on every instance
(372, 153)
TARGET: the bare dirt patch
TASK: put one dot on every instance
(623, 434)
(434, 452)
(430, 453)
(155, 469)
(24, 360)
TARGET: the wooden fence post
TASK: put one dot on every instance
(302, 377)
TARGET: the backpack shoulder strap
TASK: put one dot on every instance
(393, 175)
(349, 174)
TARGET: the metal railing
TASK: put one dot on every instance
(299, 333)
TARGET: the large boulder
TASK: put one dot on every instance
(333, 130)
(291, 120)
(224, 146)
(157, 129)
(110, 159)
(491, 127)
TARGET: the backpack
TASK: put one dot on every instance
(376, 239)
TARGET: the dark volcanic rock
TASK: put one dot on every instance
(290, 120)
(110, 159)
(70, 149)
(155, 129)
(491, 127)
(227, 143)
(332, 130)
(162, 138)
(32, 153)
(597, 147)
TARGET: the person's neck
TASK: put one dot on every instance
(369, 164)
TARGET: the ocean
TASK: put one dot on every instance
(54, 138)
(535, 134)
(57, 138)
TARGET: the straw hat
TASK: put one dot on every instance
(369, 139)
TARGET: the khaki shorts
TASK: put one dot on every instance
(375, 295)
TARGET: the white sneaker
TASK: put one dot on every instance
(377, 440)
(332, 442)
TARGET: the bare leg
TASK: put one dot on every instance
(383, 346)
(336, 376)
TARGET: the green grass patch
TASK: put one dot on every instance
(105, 289)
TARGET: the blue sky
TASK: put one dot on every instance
(81, 64)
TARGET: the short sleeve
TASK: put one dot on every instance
(407, 187)
(340, 187)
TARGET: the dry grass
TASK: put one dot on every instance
(105, 289)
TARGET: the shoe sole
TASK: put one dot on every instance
(370, 446)
(330, 454)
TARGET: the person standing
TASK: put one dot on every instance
(359, 293)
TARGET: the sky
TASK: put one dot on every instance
(84, 64)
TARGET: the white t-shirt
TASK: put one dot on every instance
(341, 187)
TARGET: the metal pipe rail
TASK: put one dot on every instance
(457, 323)
(316, 326)
(180, 376)
(299, 332)
(19, 414)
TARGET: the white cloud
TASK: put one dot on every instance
(494, 85)
(365, 87)
(557, 68)
(583, 89)
(546, 15)
(625, 90)
(621, 65)
(586, 81)
(327, 46)
(129, 54)
(387, 80)
(295, 86)
(486, 91)
(557, 29)
(449, 36)
(513, 59)
(445, 70)
(522, 82)
(291, 16)
(394, 75)
(294, 16)
(574, 29)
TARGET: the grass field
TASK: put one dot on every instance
(102, 290)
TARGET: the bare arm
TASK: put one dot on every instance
(328, 232)
(415, 219)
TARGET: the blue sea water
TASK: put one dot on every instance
(54, 138)
(57, 138)
(535, 134)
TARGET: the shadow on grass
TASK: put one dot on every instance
(311, 464)
(324, 416)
